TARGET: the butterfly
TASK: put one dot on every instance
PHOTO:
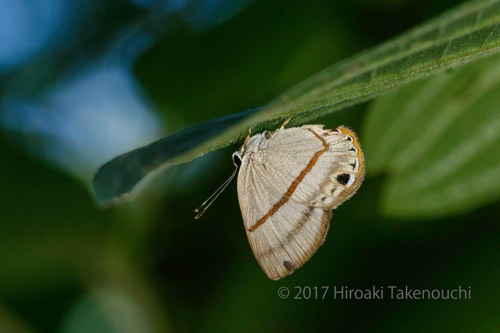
(289, 181)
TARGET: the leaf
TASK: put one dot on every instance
(466, 33)
(123, 173)
(98, 312)
(439, 141)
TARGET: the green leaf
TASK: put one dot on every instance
(461, 35)
(439, 141)
(122, 174)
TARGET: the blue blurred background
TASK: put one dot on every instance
(82, 81)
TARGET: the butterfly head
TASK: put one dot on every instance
(253, 144)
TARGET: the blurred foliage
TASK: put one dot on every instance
(147, 266)
(438, 140)
(458, 36)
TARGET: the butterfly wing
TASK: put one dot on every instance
(288, 188)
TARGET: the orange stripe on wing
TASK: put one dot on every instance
(361, 169)
(294, 185)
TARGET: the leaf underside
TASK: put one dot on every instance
(463, 34)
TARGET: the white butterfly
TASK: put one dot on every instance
(288, 183)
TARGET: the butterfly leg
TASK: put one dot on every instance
(286, 121)
(284, 124)
(248, 137)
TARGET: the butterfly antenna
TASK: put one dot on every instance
(204, 206)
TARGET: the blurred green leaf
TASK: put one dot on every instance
(466, 33)
(108, 310)
(439, 140)
(46, 225)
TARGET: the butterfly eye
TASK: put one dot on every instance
(267, 134)
(237, 159)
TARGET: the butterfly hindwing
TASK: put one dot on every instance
(287, 189)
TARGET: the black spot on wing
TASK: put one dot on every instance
(343, 178)
(289, 266)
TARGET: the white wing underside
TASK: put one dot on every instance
(296, 225)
